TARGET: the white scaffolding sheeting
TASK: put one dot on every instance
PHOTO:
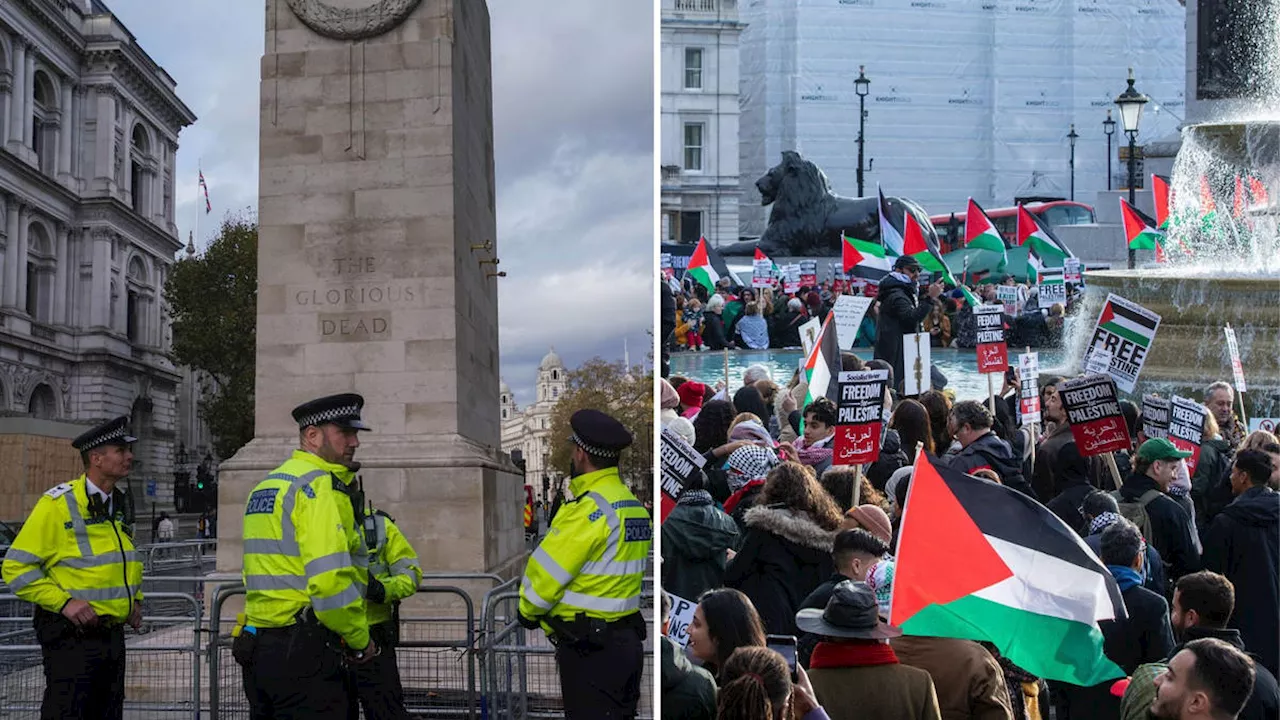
(967, 97)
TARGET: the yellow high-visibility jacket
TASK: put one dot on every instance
(594, 556)
(302, 547)
(394, 563)
(64, 552)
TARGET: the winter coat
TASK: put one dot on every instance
(1243, 543)
(695, 538)
(713, 333)
(968, 681)
(892, 457)
(1059, 465)
(1264, 701)
(784, 328)
(688, 691)
(885, 692)
(740, 502)
(784, 556)
(1171, 529)
(1211, 482)
(1066, 505)
(900, 315)
(990, 451)
(1151, 563)
(1145, 636)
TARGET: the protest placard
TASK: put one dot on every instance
(665, 263)
(849, 310)
(1237, 368)
(1126, 330)
(1098, 362)
(1011, 297)
(1094, 413)
(808, 272)
(809, 337)
(993, 355)
(916, 356)
(680, 464)
(1186, 428)
(859, 416)
(790, 278)
(762, 273)
(837, 271)
(1071, 271)
(1155, 416)
(1029, 388)
(681, 617)
(1051, 293)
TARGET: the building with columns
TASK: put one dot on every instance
(529, 429)
(89, 130)
(699, 153)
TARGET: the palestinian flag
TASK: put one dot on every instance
(889, 235)
(1048, 276)
(981, 233)
(980, 561)
(822, 367)
(1040, 240)
(1126, 323)
(1258, 191)
(700, 267)
(1141, 231)
(1160, 194)
(865, 259)
(915, 245)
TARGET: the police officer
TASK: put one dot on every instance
(305, 572)
(394, 575)
(74, 560)
(582, 584)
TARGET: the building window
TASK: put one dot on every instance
(42, 404)
(45, 98)
(33, 289)
(693, 68)
(690, 227)
(555, 374)
(138, 179)
(555, 392)
(131, 317)
(693, 146)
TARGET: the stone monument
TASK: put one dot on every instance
(376, 208)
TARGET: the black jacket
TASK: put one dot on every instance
(1243, 543)
(784, 556)
(1171, 527)
(900, 314)
(1151, 562)
(1144, 636)
(892, 457)
(695, 538)
(713, 332)
(1264, 703)
(688, 691)
(1211, 483)
(991, 452)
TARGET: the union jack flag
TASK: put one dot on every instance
(205, 188)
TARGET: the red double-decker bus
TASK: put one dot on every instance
(950, 227)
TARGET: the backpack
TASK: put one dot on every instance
(1136, 512)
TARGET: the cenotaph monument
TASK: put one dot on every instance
(376, 270)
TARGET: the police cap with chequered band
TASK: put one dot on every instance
(111, 432)
(598, 434)
(342, 410)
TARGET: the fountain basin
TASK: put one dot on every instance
(1190, 348)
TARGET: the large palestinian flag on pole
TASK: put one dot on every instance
(864, 259)
(822, 367)
(980, 561)
(1040, 240)
(889, 235)
(1141, 231)
(981, 233)
(915, 245)
(700, 267)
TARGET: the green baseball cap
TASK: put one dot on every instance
(1160, 449)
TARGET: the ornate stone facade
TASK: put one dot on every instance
(88, 137)
(529, 430)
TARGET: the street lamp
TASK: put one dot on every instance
(1109, 129)
(1071, 136)
(1131, 102)
(862, 86)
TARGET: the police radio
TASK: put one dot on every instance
(370, 530)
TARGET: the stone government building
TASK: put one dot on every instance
(529, 430)
(89, 128)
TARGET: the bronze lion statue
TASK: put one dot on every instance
(808, 219)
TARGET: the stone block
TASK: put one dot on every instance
(429, 418)
(429, 355)
(304, 91)
(277, 151)
(370, 357)
(297, 209)
(321, 62)
(402, 202)
(417, 142)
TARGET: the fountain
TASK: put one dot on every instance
(1223, 242)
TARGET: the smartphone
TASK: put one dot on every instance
(785, 645)
(1011, 374)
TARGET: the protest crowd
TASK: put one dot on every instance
(779, 560)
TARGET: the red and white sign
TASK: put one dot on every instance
(993, 354)
(1237, 368)
(1094, 413)
(1186, 428)
(859, 417)
(1029, 390)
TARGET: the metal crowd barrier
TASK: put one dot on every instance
(453, 662)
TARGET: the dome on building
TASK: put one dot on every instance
(550, 360)
(503, 387)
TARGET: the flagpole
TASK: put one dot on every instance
(857, 485)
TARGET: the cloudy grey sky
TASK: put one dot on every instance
(573, 135)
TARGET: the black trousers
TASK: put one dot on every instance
(603, 683)
(292, 673)
(375, 685)
(83, 670)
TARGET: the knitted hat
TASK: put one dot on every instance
(691, 394)
(683, 428)
(670, 398)
(873, 520)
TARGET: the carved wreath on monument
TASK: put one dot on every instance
(366, 19)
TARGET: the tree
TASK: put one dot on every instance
(213, 299)
(626, 394)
